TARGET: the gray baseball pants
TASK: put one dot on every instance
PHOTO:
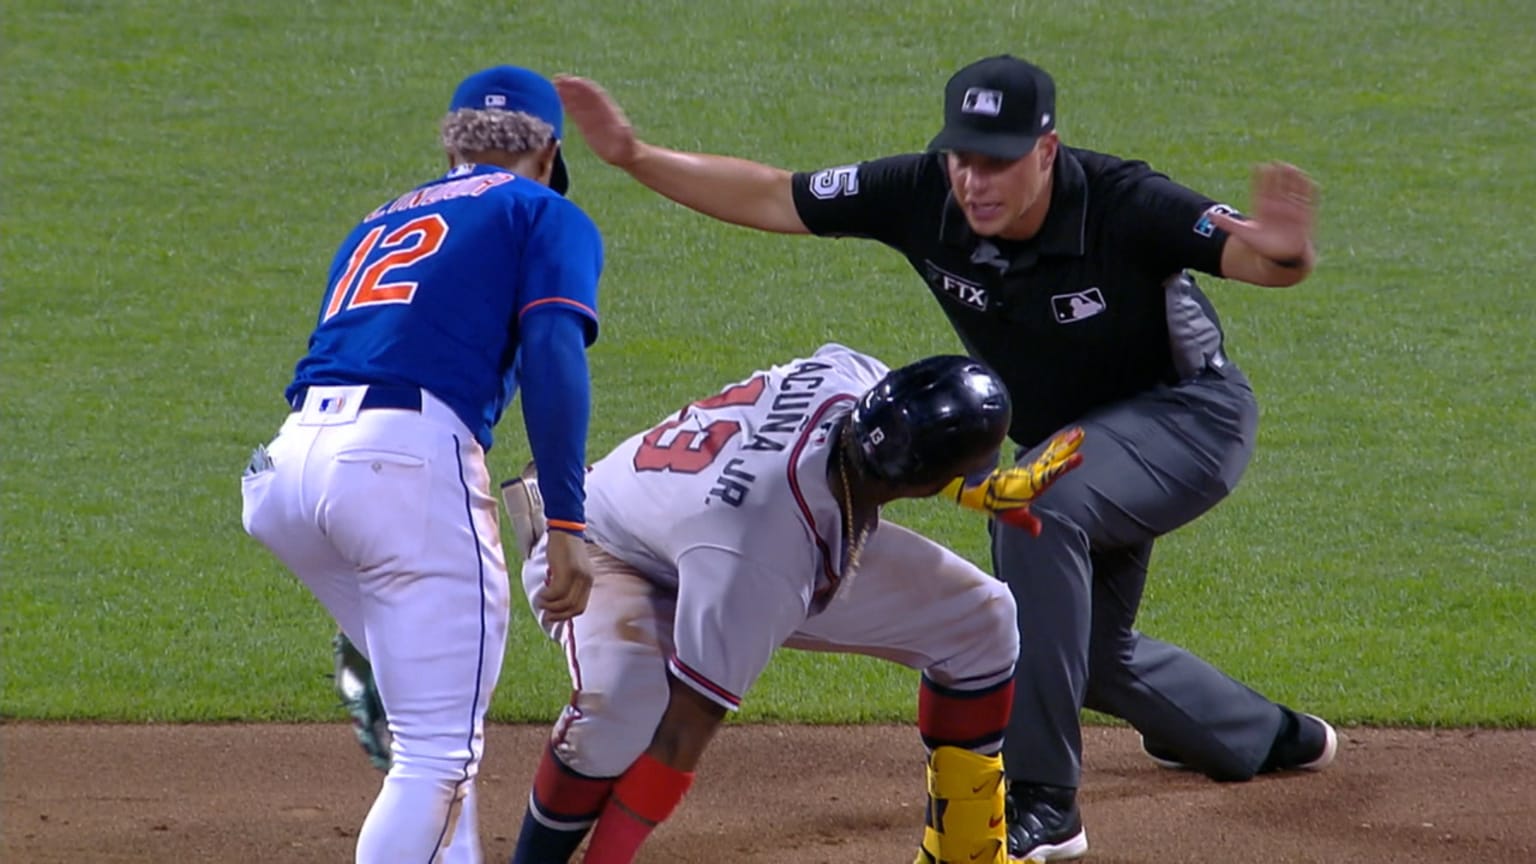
(1151, 464)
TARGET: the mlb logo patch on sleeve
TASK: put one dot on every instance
(1205, 227)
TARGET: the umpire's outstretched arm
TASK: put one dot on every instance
(729, 189)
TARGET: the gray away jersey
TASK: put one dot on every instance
(742, 473)
(725, 513)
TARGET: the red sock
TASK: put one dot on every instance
(563, 795)
(642, 799)
(968, 719)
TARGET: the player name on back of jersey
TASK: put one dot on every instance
(774, 429)
(468, 187)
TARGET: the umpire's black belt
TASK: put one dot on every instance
(377, 396)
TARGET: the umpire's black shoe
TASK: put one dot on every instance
(1306, 742)
(1044, 824)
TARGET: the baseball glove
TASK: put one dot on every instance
(360, 696)
(1007, 492)
(525, 507)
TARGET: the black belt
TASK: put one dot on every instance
(377, 396)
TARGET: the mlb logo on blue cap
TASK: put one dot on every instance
(511, 88)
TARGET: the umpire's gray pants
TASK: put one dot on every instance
(1151, 464)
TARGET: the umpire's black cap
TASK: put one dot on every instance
(997, 107)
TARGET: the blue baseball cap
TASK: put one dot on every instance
(513, 88)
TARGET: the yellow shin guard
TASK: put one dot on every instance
(964, 819)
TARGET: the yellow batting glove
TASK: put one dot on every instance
(1007, 492)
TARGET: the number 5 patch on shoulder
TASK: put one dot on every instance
(835, 182)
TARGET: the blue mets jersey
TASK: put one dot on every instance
(432, 288)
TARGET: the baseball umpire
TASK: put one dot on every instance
(751, 520)
(375, 492)
(1044, 256)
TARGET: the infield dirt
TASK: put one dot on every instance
(807, 795)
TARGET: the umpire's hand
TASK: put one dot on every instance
(602, 123)
(569, 580)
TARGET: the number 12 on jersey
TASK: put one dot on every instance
(409, 244)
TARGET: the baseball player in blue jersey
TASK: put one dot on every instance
(375, 493)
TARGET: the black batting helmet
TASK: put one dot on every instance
(932, 420)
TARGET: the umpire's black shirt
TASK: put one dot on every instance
(1074, 318)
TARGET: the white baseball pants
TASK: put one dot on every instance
(387, 516)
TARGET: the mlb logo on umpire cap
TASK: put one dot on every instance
(982, 101)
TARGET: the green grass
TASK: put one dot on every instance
(175, 177)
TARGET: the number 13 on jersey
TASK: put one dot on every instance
(689, 451)
(409, 244)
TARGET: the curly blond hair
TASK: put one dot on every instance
(473, 130)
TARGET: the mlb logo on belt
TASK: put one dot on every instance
(331, 404)
(1077, 306)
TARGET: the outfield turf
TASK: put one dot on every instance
(174, 178)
